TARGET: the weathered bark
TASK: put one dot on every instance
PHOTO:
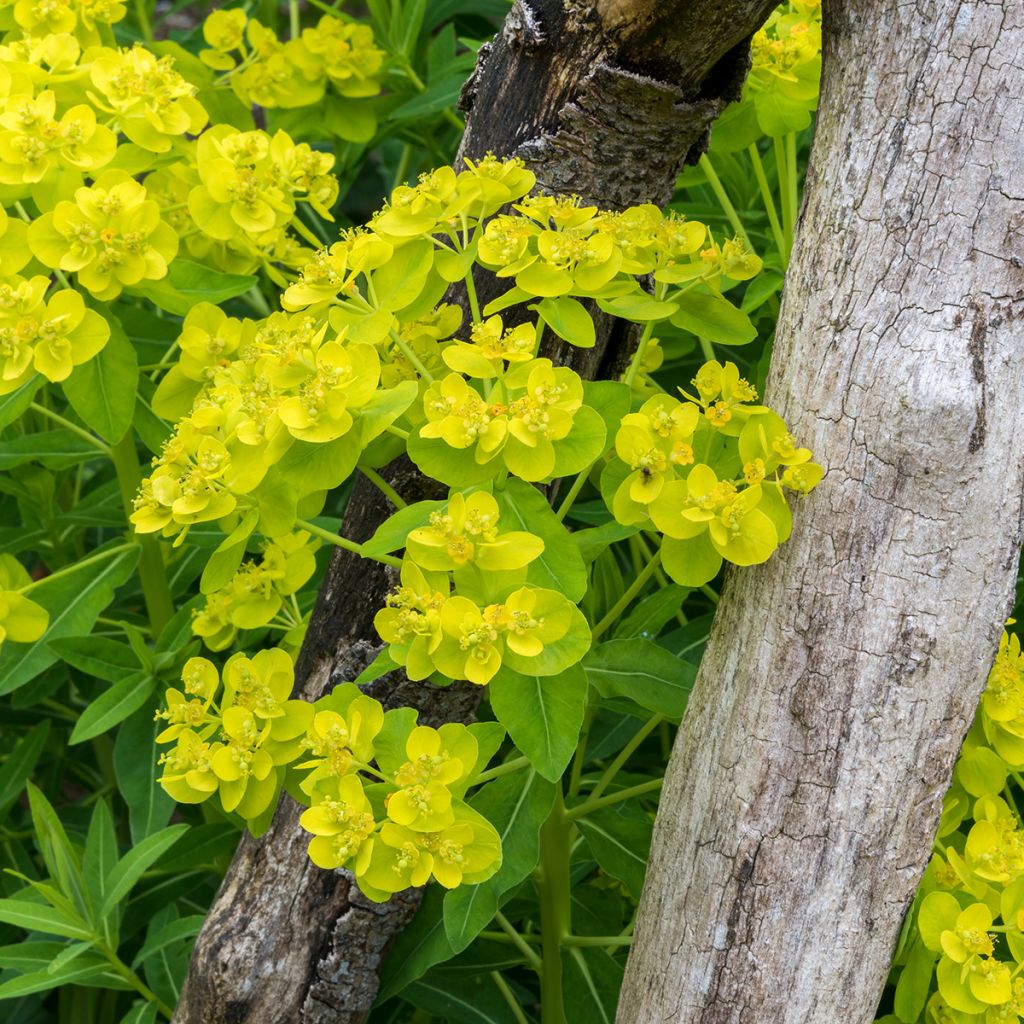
(604, 100)
(806, 781)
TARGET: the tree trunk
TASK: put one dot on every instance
(807, 778)
(603, 99)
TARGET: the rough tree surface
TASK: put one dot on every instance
(606, 100)
(807, 778)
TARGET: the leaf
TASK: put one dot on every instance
(28, 956)
(102, 390)
(97, 656)
(543, 715)
(713, 317)
(517, 805)
(915, 983)
(610, 399)
(391, 534)
(639, 306)
(135, 767)
(40, 981)
(17, 768)
(560, 566)
(457, 467)
(643, 672)
(649, 616)
(595, 540)
(206, 844)
(62, 861)
(100, 852)
(188, 283)
(177, 931)
(419, 946)
(113, 706)
(140, 1013)
(130, 867)
(13, 404)
(36, 917)
(584, 446)
(569, 319)
(381, 665)
(619, 837)
(475, 1001)
(225, 560)
(432, 100)
(74, 600)
(55, 449)
(591, 980)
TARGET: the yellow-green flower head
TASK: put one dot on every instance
(274, 73)
(411, 621)
(14, 250)
(223, 30)
(112, 236)
(261, 684)
(1003, 701)
(505, 242)
(306, 171)
(347, 54)
(153, 104)
(339, 736)
(635, 232)
(189, 711)
(421, 208)
(21, 619)
(467, 532)
(244, 770)
(213, 622)
(466, 852)
(49, 336)
(340, 379)
(341, 821)
(492, 346)
(495, 182)
(40, 18)
(655, 443)
(188, 775)
(58, 52)
(332, 271)
(36, 145)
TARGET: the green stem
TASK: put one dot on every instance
(638, 355)
(75, 566)
(156, 590)
(293, 18)
(342, 542)
(555, 908)
(707, 349)
(474, 302)
(787, 213)
(723, 198)
(624, 755)
(142, 17)
(574, 491)
(509, 996)
(529, 954)
(413, 358)
(627, 598)
(136, 982)
(74, 428)
(709, 594)
(582, 941)
(258, 300)
(793, 183)
(383, 486)
(580, 757)
(515, 765)
(590, 806)
(769, 203)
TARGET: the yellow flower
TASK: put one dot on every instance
(21, 619)
(341, 820)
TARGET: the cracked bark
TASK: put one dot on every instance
(806, 781)
(605, 100)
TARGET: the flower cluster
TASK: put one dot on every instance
(384, 796)
(969, 914)
(266, 71)
(261, 593)
(21, 619)
(494, 616)
(709, 473)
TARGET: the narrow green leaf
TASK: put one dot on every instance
(130, 867)
(55, 449)
(643, 672)
(100, 852)
(13, 404)
(591, 980)
(177, 931)
(619, 837)
(135, 757)
(113, 706)
(188, 283)
(97, 656)
(36, 917)
(40, 981)
(419, 946)
(713, 317)
(59, 856)
(17, 769)
(649, 616)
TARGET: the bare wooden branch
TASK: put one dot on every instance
(603, 100)
(807, 778)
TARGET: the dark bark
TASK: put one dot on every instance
(605, 100)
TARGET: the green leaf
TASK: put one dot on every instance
(517, 805)
(113, 706)
(177, 931)
(643, 672)
(55, 449)
(761, 289)
(713, 317)
(649, 616)
(350, 119)
(188, 283)
(476, 1000)
(639, 306)
(543, 715)
(456, 467)
(391, 534)
(619, 837)
(914, 985)
(130, 867)
(591, 979)
(584, 446)
(17, 768)
(102, 390)
(100, 852)
(435, 98)
(206, 845)
(399, 282)
(610, 399)
(97, 656)
(40, 981)
(419, 946)
(141, 1013)
(61, 859)
(30, 956)
(135, 767)
(560, 566)
(595, 540)
(13, 404)
(36, 917)
(74, 600)
(569, 319)
(225, 560)
(381, 665)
